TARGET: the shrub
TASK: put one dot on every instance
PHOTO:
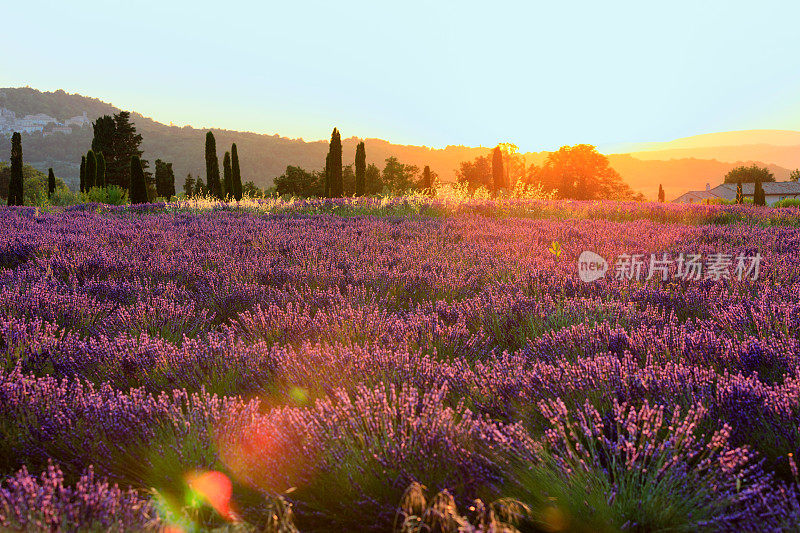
(111, 195)
(788, 202)
(633, 469)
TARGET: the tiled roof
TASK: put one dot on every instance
(776, 188)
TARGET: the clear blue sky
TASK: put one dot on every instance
(434, 73)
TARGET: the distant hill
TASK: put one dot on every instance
(262, 157)
(678, 165)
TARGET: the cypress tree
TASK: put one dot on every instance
(90, 178)
(83, 173)
(15, 185)
(337, 184)
(739, 193)
(169, 185)
(51, 183)
(427, 180)
(237, 175)
(661, 193)
(100, 180)
(497, 168)
(361, 169)
(138, 186)
(328, 175)
(212, 166)
(227, 174)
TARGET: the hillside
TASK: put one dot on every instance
(679, 166)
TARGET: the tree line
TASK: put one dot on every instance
(337, 180)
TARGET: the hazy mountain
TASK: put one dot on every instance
(678, 165)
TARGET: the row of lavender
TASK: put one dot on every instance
(342, 358)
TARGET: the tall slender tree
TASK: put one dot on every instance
(336, 183)
(51, 183)
(497, 169)
(739, 193)
(237, 175)
(212, 166)
(138, 185)
(83, 173)
(426, 183)
(361, 169)
(15, 183)
(661, 195)
(328, 175)
(100, 180)
(90, 178)
(227, 174)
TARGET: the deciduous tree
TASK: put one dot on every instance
(749, 174)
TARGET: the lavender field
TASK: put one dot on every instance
(367, 365)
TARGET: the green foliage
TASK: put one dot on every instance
(227, 175)
(64, 197)
(36, 185)
(299, 182)
(428, 182)
(90, 178)
(751, 174)
(788, 202)
(399, 178)
(476, 173)
(498, 181)
(361, 169)
(237, 174)
(373, 183)
(83, 174)
(111, 195)
(794, 175)
(334, 165)
(51, 182)
(250, 190)
(100, 180)
(212, 166)
(165, 179)
(188, 185)
(138, 185)
(125, 145)
(16, 182)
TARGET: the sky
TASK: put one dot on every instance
(538, 74)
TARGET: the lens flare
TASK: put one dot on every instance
(215, 489)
